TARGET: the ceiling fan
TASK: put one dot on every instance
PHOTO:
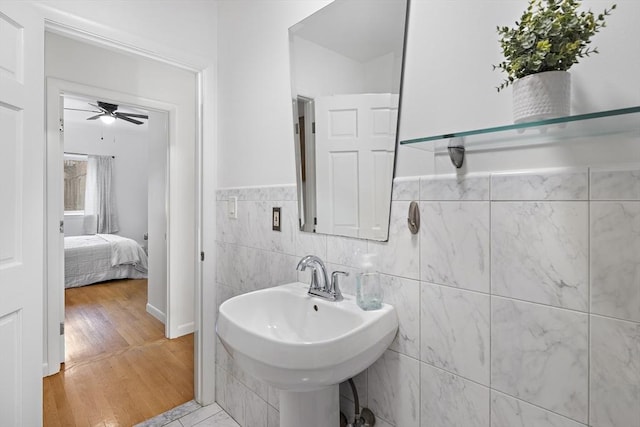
(108, 113)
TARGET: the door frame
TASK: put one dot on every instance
(204, 342)
(54, 294)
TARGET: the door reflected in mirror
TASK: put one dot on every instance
(346, 71)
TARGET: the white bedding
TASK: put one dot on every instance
(100, 257)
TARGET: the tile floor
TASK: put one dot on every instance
(191, 414)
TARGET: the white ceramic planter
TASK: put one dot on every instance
(542, 96)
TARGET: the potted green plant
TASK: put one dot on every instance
(549, 38)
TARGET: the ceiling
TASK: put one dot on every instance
(359, 29)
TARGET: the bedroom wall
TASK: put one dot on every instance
(129, 144)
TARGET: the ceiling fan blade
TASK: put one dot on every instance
(98, 107)
(141, 116)
(120, 116)
(80, 109)
(111, 108)
(97, 116)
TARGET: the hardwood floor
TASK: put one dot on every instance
(119, 369)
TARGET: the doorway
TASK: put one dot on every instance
(134, 141)
(77, 67)
(110, 324)
(147, 168)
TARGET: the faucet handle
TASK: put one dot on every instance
(334, 288)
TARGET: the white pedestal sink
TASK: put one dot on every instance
(304, 346)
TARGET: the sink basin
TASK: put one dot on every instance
(300, 343)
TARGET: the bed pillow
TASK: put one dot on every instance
(90, 224)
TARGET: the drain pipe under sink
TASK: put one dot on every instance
(364, 419)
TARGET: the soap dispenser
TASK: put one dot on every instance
(368, 288)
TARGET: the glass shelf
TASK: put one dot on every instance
(619, 121)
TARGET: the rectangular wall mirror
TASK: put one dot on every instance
(346, 76)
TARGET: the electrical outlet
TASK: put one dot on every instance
(275, 219)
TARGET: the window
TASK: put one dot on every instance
(75, 180)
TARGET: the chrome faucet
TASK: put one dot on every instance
(319, 277)
(320, 285)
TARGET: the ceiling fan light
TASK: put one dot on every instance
(107, 120)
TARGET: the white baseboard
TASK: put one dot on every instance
(186, 328)
(48, 370)
(156, 313)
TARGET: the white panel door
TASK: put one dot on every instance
(342, 184)
(355, 145)
(384, 119)
(337, 150)
(21, 214)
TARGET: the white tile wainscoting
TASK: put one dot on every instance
(518, 301)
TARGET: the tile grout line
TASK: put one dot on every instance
(420, 293)
(490, 297)
(589, 296)
(491, 390)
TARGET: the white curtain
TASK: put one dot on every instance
(99, 198)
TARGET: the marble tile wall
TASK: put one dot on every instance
(518, 301)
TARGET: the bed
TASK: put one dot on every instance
(96, 258)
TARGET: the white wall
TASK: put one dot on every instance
(320, 71)
(129, 144)
(450, 84)
(447, 40)
(382, 74)
(255, 131)
(339, 74)
(181, 31)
